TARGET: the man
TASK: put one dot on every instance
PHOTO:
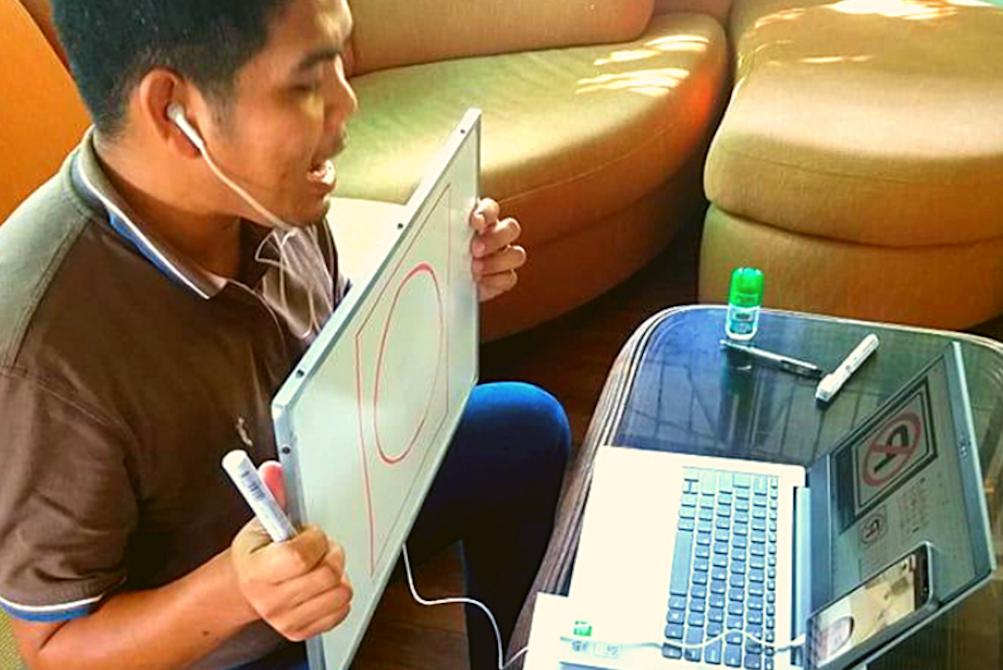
(148, 314)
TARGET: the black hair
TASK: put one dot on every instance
(113, 44)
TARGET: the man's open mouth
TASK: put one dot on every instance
(323, 174)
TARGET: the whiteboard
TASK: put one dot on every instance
(364, 420)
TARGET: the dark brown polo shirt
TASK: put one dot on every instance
(126, 373)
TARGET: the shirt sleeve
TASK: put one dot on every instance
(67, 506)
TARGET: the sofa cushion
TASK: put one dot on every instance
(390, 33)
(41, 115)
(570, 270)
(871, 121)
(938, 286)
(9, 658)
(569, 135)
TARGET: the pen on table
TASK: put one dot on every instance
(831, 384)
(247, 480)
(786, 363)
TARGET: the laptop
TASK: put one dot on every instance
(365, 419)
(686, 549)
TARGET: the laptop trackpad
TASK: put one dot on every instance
(625, 554)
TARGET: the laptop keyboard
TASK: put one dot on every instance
(724, 571)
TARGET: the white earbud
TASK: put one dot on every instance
(176, 113)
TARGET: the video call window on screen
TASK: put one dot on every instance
(849, 622)
(892, 488)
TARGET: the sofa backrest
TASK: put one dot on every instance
(719, 9)
(41, 114)
(41, 11)
(390, 33)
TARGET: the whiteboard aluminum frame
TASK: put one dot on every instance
(334, 333)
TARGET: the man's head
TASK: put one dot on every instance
(261, 81)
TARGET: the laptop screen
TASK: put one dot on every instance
(900, 479)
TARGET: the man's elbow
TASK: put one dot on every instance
(39, 648)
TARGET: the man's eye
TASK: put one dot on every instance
(307, 87)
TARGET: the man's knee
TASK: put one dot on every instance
(542, 423)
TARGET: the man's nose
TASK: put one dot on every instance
(342, 101)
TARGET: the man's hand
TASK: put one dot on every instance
(299, 586)
(496, 258)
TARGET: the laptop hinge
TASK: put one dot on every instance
(802, 569)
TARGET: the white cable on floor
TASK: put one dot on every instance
(460, 601)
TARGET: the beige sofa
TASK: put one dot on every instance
(596, 117)
(860, 159)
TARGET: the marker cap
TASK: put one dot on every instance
(746, 288)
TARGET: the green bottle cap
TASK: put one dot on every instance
(746, 288)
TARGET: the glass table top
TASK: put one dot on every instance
(673, 388)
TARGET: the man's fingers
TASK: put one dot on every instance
(512, 257)
(321, 626)
(298, 591)
(292, 558)
(271, 475)
(495, 239)
(335, 559)
(251, 538)
(494, 285)
(485, 215)
(303, 619)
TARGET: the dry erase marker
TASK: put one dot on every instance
(247, 480)
(831, 384)
(785, 363)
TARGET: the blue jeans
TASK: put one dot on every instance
(496, 492)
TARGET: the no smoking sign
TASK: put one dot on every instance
(892, 450)
(896, 449)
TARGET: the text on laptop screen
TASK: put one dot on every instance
(898, 485)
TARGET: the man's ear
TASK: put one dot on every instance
(155, 93)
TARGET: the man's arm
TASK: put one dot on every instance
(67, 497)
(298, 587)
(169, 627)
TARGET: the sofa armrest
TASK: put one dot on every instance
(41, 11)
(390, 33)
(41, 113)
